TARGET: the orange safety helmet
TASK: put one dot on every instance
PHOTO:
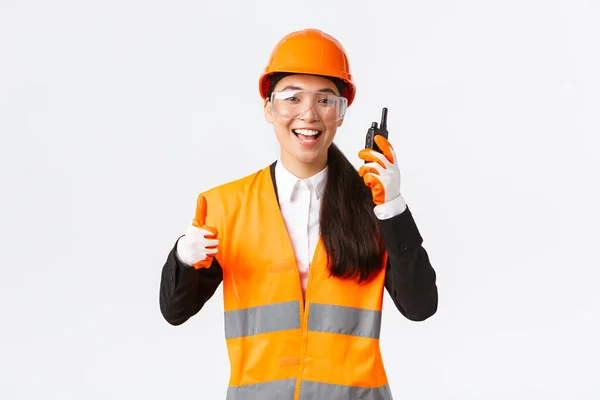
(309, 51)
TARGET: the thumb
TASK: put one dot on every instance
(377, 187)
(200, 217)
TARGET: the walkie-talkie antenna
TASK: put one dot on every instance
(383, 124)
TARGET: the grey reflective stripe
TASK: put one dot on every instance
(344, 320)
(309, 390)
(274, 390)
(262, 319)
(315, 390)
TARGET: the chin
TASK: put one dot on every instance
(305, 157)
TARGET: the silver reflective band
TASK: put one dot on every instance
(344, 320)
(309, 390)
(275, 390)
(316, 390)
(262, 319)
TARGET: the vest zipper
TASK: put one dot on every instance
(304, 323)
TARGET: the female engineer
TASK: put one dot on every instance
(305, 246)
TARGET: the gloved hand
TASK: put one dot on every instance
(199, 245)
(381, 172)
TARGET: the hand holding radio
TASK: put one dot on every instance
(199, 245)
(380, 171)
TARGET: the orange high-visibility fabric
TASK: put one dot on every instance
(260, 274)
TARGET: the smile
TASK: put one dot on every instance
(307, 135)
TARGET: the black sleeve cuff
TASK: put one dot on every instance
(400, 233)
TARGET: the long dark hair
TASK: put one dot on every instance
(349, 227)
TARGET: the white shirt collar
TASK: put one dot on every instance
(288, 182)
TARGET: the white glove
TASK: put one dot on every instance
(199, 245)
(381, 172)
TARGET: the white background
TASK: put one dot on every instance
(115, 114)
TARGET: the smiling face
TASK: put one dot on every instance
(304, 140)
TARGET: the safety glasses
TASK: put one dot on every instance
(293, 104)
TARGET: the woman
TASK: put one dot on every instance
(304, 247)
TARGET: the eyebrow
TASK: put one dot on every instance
(324, 90)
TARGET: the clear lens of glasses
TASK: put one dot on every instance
(293, 104)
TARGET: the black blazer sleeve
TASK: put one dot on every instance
(184, 289)
(410, 278)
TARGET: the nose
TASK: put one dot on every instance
(309, 115)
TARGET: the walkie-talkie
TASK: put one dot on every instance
(374, 130)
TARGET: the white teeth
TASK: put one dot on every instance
(307, 132)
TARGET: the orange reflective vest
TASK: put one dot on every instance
(281, 345)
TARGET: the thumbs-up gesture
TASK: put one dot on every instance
(199, 245)
(381, 172)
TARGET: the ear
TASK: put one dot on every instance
(340, 122)
(267, 111)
